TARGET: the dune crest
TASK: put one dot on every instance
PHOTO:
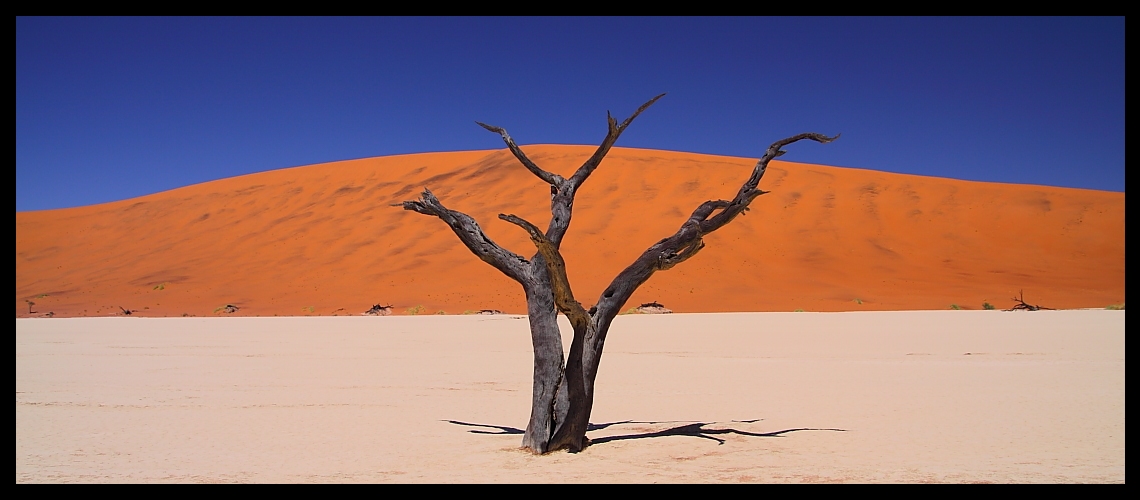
(324, 240)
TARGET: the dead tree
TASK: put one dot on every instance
(563, 387)
(1022, 306)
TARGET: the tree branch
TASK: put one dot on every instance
(469, 232)
(612, 135)
(672, 258)
(776, 150)
(748, 190)
(556, 267)
(688, 240)
(705, 209)
(550, 178)
(562, 201)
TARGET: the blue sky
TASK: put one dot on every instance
(114, 108)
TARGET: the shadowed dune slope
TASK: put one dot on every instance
(324, 240)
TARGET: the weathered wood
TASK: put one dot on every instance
(552, 179)
(1023, 306)
(563, 392)
(549, 399)
(469, 232)
(556, 268)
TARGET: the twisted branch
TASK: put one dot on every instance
(688, 240)
(550, 178)
(469, 232)
(612, 135)
(556, 266)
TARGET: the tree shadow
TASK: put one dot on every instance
(698, 430)
(691, 429)
(502, 429)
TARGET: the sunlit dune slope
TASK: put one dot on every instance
(325, 239)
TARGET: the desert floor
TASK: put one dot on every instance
(911, 396)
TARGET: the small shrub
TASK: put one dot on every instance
(987, 306)
(955, 307)
(798, 310)
(440, 312)
(160, 286)
(1115, 307)
(858, 301)
(310, 309)
(415, 310)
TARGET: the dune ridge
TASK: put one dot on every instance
(324, 240)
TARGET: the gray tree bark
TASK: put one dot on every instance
(563, 387)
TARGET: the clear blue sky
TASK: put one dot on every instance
(113, 108)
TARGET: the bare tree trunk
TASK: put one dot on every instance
(548, 405)
(563, 393)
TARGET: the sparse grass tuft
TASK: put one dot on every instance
(858, 301)
(310, 309)
(1115, 307)
(440, 312)
(798, 310)
(955, 307)
(416, 310)
(160, 286)
(987, 306)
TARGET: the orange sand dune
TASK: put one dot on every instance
(325, 240)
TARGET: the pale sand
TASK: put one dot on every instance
(945, 396)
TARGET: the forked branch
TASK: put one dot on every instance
(556, 267)
(469, 232)
(612, 135)
(562, 201)
(748, 190)
(688, 240)
(550, 178)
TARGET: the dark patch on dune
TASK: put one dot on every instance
(249, 190)
(689, 187)
(158, 278)
(53, 293)
(868, 193)
(814, 255)
(288, 218)
(884, 250)
(347, 189)
(792, 199)
(41, 254)
(439, 178)
(1041, 203)
(404, 190)
(379, 186)
(829, 200)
